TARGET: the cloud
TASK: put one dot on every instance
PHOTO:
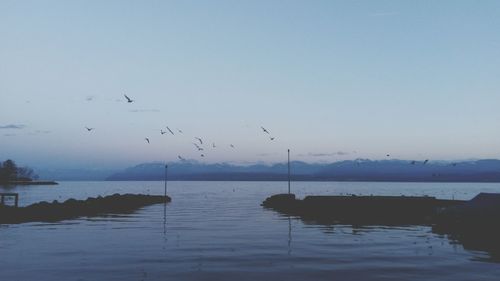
(13, 126)
(266, 154)
(312, 154)
(144, 110)
(39, 132)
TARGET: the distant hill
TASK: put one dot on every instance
(192, 170)
(75, 174)
(352, 170)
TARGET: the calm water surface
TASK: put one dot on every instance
(219, 231)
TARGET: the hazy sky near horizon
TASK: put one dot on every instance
(331, 80)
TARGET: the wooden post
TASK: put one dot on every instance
(15, 195)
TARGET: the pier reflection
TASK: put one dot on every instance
(480, 240)
(289, 236)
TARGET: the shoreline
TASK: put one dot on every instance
(365, 210)
(71, 208)
(29, 183)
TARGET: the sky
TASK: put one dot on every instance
(331, 80)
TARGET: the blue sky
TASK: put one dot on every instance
(415, 79)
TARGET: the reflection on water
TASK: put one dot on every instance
(209, 232)
(289, 236)
(479, 242)
(475, 240)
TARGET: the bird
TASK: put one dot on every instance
(264, 129)
(213, 145)
(180, 131)
(272, 138)
(162, 132)
(413, 162)
(129, 100)
(231, 145)
(202, 155)
(197, 146)
(181, 158)
(170, 130)
(388, 155)
(89, 129)
(426, 160)
(147, 139)
(199, 139)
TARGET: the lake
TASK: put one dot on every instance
(219, 231)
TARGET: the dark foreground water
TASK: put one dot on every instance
(219, 231)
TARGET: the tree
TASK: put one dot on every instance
(25, 173)
(9, 170)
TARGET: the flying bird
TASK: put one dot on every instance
(202, 155)
(213, 145)
(129, 100)
(170, 130)
(180, 158)
(413, 162)
(201, 142)
(272, 138)
(197, 146)
(426, 160)
(162, 132)
(264, 129)
(388, 155)
(147, 139)
(231, 145)
(180, 131)
(89, 129)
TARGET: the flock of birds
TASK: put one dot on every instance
(198, 144)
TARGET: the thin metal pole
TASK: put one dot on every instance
(288, 171)
(166, 178)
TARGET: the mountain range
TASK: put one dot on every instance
(486, 170)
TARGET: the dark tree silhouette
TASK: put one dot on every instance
(25, 173)
(9, 169)
(10, 172)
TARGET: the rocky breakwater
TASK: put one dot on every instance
(71, 208)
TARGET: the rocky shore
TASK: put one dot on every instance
(69, 209)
